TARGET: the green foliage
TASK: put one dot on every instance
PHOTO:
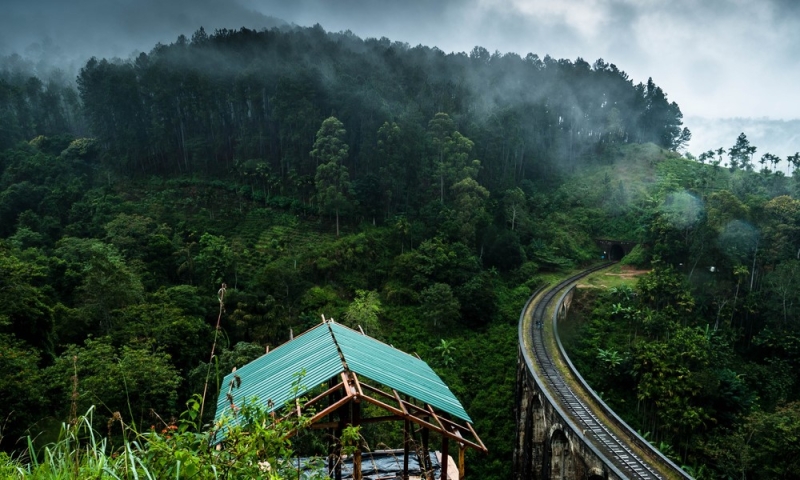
(144, 244)
(505, 252)
(214, 260)
(611, 359)
(478, 299)
(364, 312)
(666, 376)
(321, 300)
(446, 350)
(83, 148)
(439, 306)
(114, 246)
(637, 257)
(107, 284)
(514, 207)
(332, 180)
(663, 289)
(183, 337)
(470, 208)
(351, 439)
(22, 389)
(764, 446)
(256, 446)
(132, 380)
(436, 260)
(24, 307)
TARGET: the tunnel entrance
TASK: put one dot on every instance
(614, 250)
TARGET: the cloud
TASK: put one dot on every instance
(779, 137)
(103, 28)
(715, 58)
(682, 209)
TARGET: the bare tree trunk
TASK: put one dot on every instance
(753, 271)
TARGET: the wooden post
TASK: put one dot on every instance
(344, 418)
(357, 454)
(461, 469)
(332, 397)
(338, 469)
(445, 457)
(406, 447)
(426, 456)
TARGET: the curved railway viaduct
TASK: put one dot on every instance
(564, 430)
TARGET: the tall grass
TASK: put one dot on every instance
(79, 453)
(255, 446)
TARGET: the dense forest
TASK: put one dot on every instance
(418, 194)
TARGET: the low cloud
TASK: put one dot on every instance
(717, 59)
(778, 137)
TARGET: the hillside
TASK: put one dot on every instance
(420, 195)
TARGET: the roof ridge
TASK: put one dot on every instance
(294, 337)
(414, 356)
(338, 348)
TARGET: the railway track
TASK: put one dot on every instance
(615, 449)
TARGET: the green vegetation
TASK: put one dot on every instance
(419, 195)
(256, 447)
(695, 354)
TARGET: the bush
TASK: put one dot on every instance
(638, 257)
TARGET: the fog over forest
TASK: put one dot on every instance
(729, 65)
(186, 186)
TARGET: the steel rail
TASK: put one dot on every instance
(607, 443)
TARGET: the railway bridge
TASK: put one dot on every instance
(564, 430)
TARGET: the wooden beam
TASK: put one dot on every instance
(405, 411)
(453, 424)
(425, 424)
(404, 405)
(347, 387)
(475, 435)
(458, 434)
(436, 417)
(372, 389)
(323, 425)
(399, 401)
(307, 404)
(324, 394)
(358, 384)
(330, 408)
(385, 418)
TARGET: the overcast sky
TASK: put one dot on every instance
(716, 58)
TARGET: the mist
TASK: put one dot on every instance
(719, 60)
(779, 137)
(51, 34)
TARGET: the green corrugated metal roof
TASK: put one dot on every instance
(271, 376)
(395, 369)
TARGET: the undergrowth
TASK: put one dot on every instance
(256, 444)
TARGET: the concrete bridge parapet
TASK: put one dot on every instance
(550, 444)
